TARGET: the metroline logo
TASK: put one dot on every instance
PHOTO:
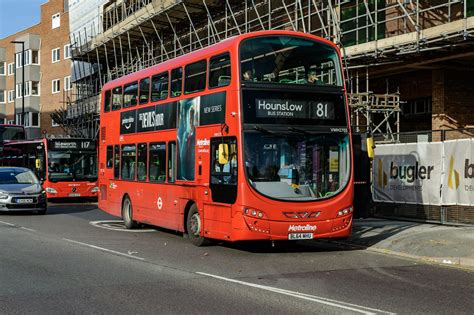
(300, 228)
(453, 175)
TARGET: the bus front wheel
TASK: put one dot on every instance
(194, 227)
(127, 214)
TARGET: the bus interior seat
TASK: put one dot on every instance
(163, 95)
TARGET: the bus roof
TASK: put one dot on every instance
(203, 53)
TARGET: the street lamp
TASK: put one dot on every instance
(22, 121)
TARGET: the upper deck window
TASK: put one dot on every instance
(130, 94)
(195, 79)
(144, 90)
(219, 71)
(176, 82)
(107, 102)
(289, 60)
(159, 87)
(117, 98)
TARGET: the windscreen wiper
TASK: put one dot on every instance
(298, 130)
(262, 130)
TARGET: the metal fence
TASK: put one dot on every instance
(451, 215)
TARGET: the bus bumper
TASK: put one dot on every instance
(249, 228)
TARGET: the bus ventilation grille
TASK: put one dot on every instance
(102, 133)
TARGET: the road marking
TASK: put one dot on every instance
(308, 297)
(25, 228)
(104, 249)
(117, 225)
(6, 223)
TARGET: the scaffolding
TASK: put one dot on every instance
(135, 34)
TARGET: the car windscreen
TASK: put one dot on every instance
(17, 176)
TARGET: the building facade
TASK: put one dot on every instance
(32, 87)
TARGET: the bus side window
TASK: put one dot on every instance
(195, 77)
(171, 161)
(130, 94)
(117, 162)
(129, 154)
(159, 86)
(141, 164)
(117, 98)
(157, 167)
(144, 90)
(219, 71)
(176, 82)
(107, 101)
(110, 156)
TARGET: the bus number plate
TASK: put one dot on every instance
(300, 236)
(29, 200)
(74, 195)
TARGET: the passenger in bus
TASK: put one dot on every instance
(53, 167)
(248, 75)
(312, 77)
(66, 168)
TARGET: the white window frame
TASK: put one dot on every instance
(11, 96)
(53, 51)
(31, 57)
(53, 123)
(29, 119)
(53, 83)
(4, 68)
(11, 68)
(19, 90)
(67, 83)
(4, 97)
(17, 60)
(67, 51)
(55, 21)
(31, 88)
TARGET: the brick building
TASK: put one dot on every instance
(47, 71)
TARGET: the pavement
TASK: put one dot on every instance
(447, 245)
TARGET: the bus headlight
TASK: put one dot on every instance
(345, 211)
(254, 213)
(51, 190)
(95, 190)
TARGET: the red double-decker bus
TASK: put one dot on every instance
(10, 132)
(247, 139)
(67, 167)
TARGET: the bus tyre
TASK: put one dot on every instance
(194, 226)
(127, 214)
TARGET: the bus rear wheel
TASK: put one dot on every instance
(194, 227)
(127, 214)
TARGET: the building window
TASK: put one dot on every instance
(417, 106)
(67, 51)
(11, 68)
(56, 20)
(31, 119)
(67, 83)
(54, 124)
(56, 55)
(19, 90)
(2, 97)
(11, 96)
(2, 68)
(35, 88)
(35, 57)
(56, 86)
(18, 60)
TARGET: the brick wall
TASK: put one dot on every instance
(50, 38)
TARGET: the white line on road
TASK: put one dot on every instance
(104, 249)
(313, 298)
(27, 229)
(6, 223)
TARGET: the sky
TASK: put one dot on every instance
(16, 15)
